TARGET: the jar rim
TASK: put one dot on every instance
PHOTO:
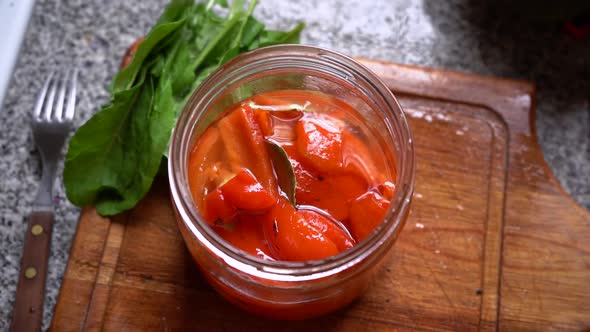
(293, 55)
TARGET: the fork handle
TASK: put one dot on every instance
(28, 307)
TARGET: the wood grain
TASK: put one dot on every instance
(30, 291)
(492, 241)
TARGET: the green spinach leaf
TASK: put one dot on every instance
(114, 157)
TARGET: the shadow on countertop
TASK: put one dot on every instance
(528, 42)
(520, 46)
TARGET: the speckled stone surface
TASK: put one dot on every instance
(460, 35)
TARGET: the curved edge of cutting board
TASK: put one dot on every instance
(544, 247)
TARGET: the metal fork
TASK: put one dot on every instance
(51, 124)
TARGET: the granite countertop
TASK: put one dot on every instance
(457, 35)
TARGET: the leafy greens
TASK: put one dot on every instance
(114, 157)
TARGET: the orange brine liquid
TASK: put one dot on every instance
(344, 183)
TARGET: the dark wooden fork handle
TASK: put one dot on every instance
(28, 307)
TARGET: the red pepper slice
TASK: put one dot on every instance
(244, 147)
(303, 235)
(244, 232)
(217, 207)
(244, 192)
(366, 213)
(319, 143)
(332, 193)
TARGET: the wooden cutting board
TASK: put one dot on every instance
(492, 241)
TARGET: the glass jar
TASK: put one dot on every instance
(279, 289)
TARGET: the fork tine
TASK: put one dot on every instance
(70, 108)
(48, 106)
(58, 112)
(41, 98)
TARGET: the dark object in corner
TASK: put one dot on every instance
(547, 11)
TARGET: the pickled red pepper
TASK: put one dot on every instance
(342, 189)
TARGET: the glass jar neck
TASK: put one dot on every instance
(315, 62)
